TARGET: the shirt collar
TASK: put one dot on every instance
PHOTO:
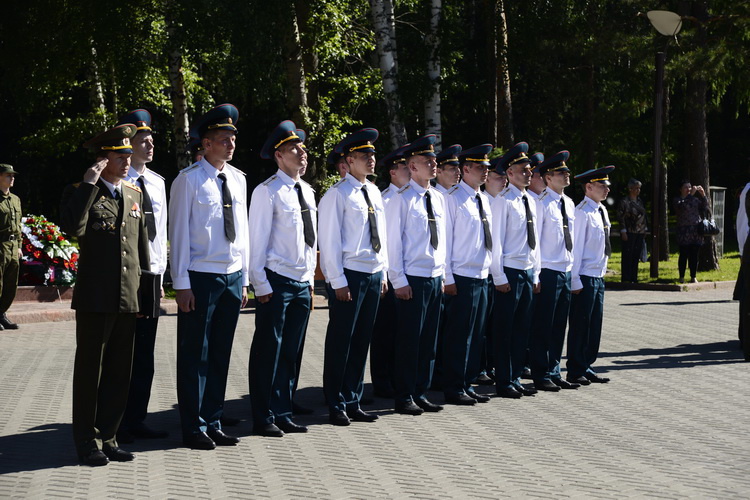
(468, 189)
(111, 187)
(591, 202)
(354, 181)
(210, 170)
(285, 178)
(419, 189)
(516, 192)
(552, 194)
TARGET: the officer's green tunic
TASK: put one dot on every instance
(113, 250)
(10, 237)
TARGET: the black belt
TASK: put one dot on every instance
(9, 237)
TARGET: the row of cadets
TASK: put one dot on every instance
(383, 345)
(515, 271)
(416, 254)
(282, 268)
(555, 216)
(353, 258)
(469, 252)
(208, 234)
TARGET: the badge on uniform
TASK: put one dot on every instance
(135, 211)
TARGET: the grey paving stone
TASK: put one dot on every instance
(671, 424)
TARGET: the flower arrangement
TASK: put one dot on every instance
(48, 257)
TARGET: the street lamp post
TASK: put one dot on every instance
(668, 24)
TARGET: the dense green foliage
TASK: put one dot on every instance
(581, 79)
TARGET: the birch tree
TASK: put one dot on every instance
(432, 114)
(385, 37)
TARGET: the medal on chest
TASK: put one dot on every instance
(135, 211)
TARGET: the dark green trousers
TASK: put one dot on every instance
(101, 377)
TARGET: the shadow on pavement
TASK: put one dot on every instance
(679, 303)
(680, 356)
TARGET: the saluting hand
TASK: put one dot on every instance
(91, 176)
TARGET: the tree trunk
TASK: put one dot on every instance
(385, 37)
(589, 126)
(503, 102)
(178, 95)
(663, 191)
(432, 118)
(96, 91)
(696, 135)
(295, 71)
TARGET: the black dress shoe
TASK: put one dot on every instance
(268, 430)
(596, 379)
(480, 398)
(578, 380)
(117, 454)
(142, 431)
(524, 391)
(94, 458)
(526, 373)
(428, 406)
(564, 384)
(301, 410)
(460, 399)
(199, 441)
(222, 439)
(484, 379)
(339, 418)
(408, 408)
(546, 385)
(359, 415)
(509, 392)
(290, 427)
(7, 324)
(229, 421)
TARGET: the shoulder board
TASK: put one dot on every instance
(453, 189)
(386, 190)
(270, 180)
(581, 205)
(403, 189)
(543, 195)
(76, 184)
(340, 182)
(156, 174)
(235, 169)
(188, 169)
(303, 182)
(131, 186)
(504, 191)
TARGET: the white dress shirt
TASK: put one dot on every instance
(196, 228)
(388, 193)
(742, 222)
(112, 188)
(589, 258)
(344, 231)
(277, 234)
(157, 191)
(467, 255)
(409, 248)
(441, 189)
(552, 249)
(510, 247)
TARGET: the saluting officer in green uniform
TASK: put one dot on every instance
(105, 213)
(10, 236)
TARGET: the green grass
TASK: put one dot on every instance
(729, 266)
(169, 293)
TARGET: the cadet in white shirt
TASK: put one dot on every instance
(469, 253)
(555, 216)
(383, 344)
(515, 271)
(448, 171)
(416, 257)
(155, 214)
(282, 268)
(742, 287)
(352, 241)
(591, 251)
(209, 250)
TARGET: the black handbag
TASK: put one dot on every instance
(708, 227)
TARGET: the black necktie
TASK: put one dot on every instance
(530, 234)
(226, 205)
(607, 244)
(374, 236)
(431, 220)
(566, 229)
(485, 224)
(148, 210)
(306, 217)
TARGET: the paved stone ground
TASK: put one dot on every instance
(671, 424)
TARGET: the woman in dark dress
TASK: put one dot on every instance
(633, 227)
(690, 207)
